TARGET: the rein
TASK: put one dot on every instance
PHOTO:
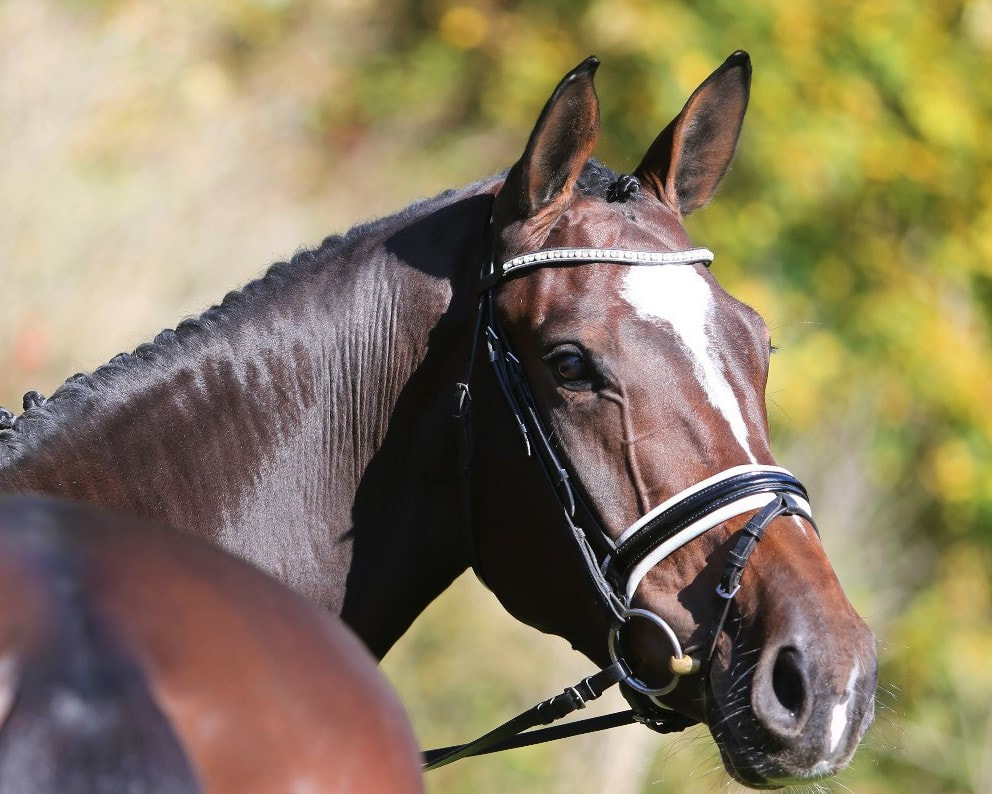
(613, 568)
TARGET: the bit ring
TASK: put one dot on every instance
(632, 681)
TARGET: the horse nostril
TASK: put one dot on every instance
(781, 696)
(788, 682)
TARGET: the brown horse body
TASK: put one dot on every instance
(305, 424)
(136, 660)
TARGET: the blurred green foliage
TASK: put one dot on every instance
(857, 219)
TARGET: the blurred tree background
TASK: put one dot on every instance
(154, 155)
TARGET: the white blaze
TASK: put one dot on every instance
(681, 297)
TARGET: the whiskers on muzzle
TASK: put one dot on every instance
(785, 713)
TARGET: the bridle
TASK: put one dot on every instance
(615, 568)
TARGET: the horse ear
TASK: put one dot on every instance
(559, 146)
(689, 158)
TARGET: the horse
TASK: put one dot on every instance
(604, 468)
(134, 659)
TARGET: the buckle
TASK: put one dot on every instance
(578, 701)
(462, 401)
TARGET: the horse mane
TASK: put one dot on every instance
(189, 335)
(194, 334)
(601, 181)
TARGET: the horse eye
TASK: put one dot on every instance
(571, 366)
(571, 369)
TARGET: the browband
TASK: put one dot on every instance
(579, 256)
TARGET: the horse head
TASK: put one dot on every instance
(649, 379)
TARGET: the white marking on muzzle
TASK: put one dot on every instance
(681, 297)
(839, 716)
(8, 684)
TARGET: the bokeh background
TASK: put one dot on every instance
(155, 154)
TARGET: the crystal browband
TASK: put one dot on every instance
(614, 255)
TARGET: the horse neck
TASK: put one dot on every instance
(307, 433)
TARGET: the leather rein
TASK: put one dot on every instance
(613, 568)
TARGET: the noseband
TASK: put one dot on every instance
(614, 568)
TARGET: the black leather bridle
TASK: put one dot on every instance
(615, 567)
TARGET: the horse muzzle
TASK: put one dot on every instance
(797, 714)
